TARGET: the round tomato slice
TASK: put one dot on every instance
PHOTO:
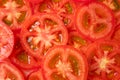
(41, 32)
(91, 22)
(104, 60)
(78, 41)
(36, 75)
(6, 42)
(14, 12)
(65, 9)
(65, 63)
(10, 72)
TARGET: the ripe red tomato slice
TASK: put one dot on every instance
(65, 9)
(41, 32)
(91, 22)
(10, 72)
(14, 12)
(65, 63)
(36, 75)
(104, 60)
(78, 41)
(6, 42)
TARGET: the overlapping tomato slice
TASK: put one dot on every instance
(10, 72)
(42, 32)
(95, 21)
(65, 9)
(6, 42)
(65, 63)
(14, 12)
(104, 60)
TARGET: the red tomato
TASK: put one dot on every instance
(78, 41)
(6, 42)
(41, 32)
(10, 72)
(65, 63)
(65, 9)
(91, 22)
(14, 12)
(104, 60)
(36, 75)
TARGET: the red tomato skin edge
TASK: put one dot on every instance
(34, 18)
(64, 46)
(8, 62)
(113, 22)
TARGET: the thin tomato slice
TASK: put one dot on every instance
(14, 12)
(10, 72)
(41, 32)
(91, 22)
(6, 42)
(104, 60)
(65, 63)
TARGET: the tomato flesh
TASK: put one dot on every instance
(91, 22)
(64, 66)
(104, 58)
(14, 12)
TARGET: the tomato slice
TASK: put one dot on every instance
(104, 60)
(65, 9)
(78, 41)
(23, 60)
(6, 42)
(91, 22)
(112, 4)
(41, 32)
(10, 72)
(65, 63)
(14, 12)
(36, 75)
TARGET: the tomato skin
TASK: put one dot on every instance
(6, 42)
(8, 70)
(64, 52)
(88, 29)
(59, 33)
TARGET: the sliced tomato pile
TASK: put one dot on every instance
(59, 39)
